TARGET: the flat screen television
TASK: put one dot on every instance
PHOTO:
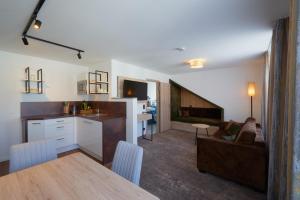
(135, 89)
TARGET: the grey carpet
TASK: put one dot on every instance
(169, 171)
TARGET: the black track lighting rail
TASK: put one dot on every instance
(33, 16)
(54, 43)
(29, 23)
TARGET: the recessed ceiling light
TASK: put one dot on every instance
(196, 63)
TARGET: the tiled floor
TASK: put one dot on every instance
(169, 171)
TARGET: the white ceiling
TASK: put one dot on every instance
(145, 32)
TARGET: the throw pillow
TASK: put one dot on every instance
(250, 119)
(228, 125)
(234, 129)
(185, 113)
(179, 113)
(247, 134)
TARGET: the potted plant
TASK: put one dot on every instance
(85, 108)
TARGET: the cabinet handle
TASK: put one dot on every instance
(35, 123)
(60, 121)
(60, 127)
(60, 139)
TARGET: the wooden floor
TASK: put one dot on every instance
(4, 166)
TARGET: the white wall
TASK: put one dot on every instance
(227, 87)
(127, 70)
(60, 85)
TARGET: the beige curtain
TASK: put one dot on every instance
(275, 119)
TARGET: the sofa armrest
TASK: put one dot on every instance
(246, 164)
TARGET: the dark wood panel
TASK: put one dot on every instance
(41, 108)
(109, 107)
(56, 108)
(114, 130)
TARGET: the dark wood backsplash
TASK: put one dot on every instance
(55, 108)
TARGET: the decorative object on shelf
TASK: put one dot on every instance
(31, 79)
(98, 82)
(82, 87)
(251, 93)
(66, 107)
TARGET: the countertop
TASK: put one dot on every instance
(95, 117)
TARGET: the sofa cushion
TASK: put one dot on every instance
(229, 137)
(247, 133)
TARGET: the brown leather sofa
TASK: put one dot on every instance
(237, 161)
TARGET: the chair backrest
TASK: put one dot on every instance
(127, 161)
(29, 154)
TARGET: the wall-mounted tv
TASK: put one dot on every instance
(135, 89)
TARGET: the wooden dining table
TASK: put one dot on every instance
(75, 176)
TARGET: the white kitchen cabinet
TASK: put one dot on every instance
(89, 136)
(60, 129)
(35, 130)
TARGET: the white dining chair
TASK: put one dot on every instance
(127, 161)
(29, 154)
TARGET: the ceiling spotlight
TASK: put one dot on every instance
(196, 63)
(37, 24)
(25, 41)
(79, 55)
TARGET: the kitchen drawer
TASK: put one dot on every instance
(59, 121)
(35, 130)
(64, 141)
(59, 130)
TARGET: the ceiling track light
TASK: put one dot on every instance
(79, 55)
(37, 25)
(25, 41)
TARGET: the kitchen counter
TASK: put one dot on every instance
(112, 130)
(101, 117)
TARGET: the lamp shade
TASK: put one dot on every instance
(251, 89)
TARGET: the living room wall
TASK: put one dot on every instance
(227, 87)
(60, 85)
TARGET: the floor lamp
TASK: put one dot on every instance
(251, 93)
